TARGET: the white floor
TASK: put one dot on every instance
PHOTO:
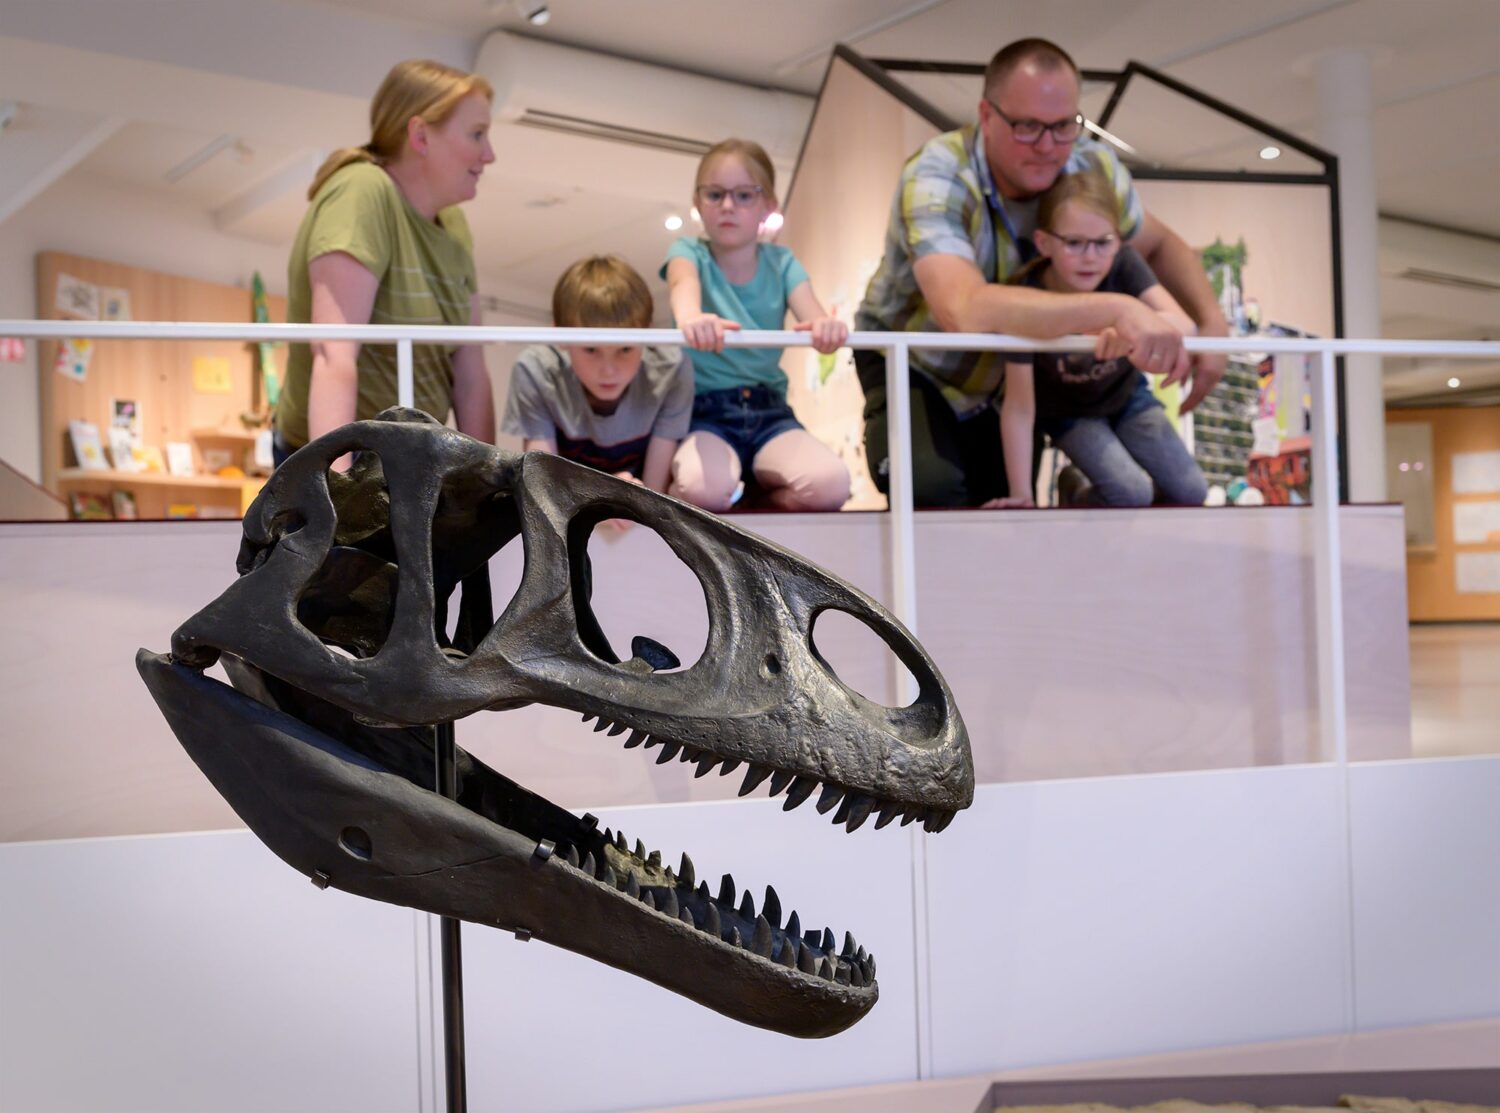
(1455, 689)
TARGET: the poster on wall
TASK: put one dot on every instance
(1476, 473)
(114, 303)
(76, 298)
(73, 358)
(1477, 573)
(1476, 523)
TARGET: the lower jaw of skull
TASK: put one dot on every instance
(353, 808)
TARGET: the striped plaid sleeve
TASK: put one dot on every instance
(1131, 213)
(934, 206)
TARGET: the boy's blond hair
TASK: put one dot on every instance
(602, 291)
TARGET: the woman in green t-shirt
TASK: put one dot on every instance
(384, 242)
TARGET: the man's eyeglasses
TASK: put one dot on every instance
(743, 196)
(1077, 245)
(1030, 131)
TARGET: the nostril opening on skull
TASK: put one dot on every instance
(771, 664)
(858, 656)
(629, 584)
(355, 842)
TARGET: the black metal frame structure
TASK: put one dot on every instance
(880, 71)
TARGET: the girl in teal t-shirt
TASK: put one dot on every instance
(730, 280)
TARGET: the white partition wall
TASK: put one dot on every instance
(1121, 916)
(1426, 890)
(196, 972)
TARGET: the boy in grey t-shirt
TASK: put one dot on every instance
(619, 408)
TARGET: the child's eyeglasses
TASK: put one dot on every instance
(743, 196)
(1075, 245)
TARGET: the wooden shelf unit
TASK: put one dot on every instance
(158, 376)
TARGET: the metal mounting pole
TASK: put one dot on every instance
(453, 968)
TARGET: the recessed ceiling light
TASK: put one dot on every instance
(1453, 383)
(673, 222)
(697, 217)
(534, 12)
(774, 222)
(1269, 153)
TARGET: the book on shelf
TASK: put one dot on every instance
(179, 458)
(178, 510)
(87, 448)
(150, 458)
(123, 503)
(89, 506)
(122, 448)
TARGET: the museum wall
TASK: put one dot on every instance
(1444, 464)
(103, 220)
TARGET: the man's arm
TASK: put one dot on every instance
(1181, 272)
(962, 301)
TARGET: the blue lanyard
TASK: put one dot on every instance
(1024, 248)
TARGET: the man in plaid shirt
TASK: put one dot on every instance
(960, 226)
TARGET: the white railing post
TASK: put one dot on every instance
(1328, 599)
(405, 383)
(902, 539)
(901, 523)
(1327, 570)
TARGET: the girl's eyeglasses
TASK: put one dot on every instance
(1076, 245)
(743, 196)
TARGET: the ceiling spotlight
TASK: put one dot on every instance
(1269, 153)
(673, 222)
(1453, 384)
(774, 222)
(534, 12)
(697, 216)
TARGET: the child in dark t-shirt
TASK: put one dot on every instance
(619, 408)
(1101, 412)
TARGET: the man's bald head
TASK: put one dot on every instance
(1044, 57)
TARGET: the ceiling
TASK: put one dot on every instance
(141, 87)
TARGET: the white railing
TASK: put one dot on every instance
(1328, 577)
(897, 347)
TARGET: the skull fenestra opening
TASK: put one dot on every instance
(335, 637)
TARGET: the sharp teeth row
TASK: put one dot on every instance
(639, 875)
(853, 807)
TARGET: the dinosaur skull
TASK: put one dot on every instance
(333, 637)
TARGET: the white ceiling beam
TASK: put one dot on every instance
(292, 176)
(32, 161)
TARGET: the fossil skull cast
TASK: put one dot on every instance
(334, 638)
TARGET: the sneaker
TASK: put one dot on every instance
(1072, 487)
